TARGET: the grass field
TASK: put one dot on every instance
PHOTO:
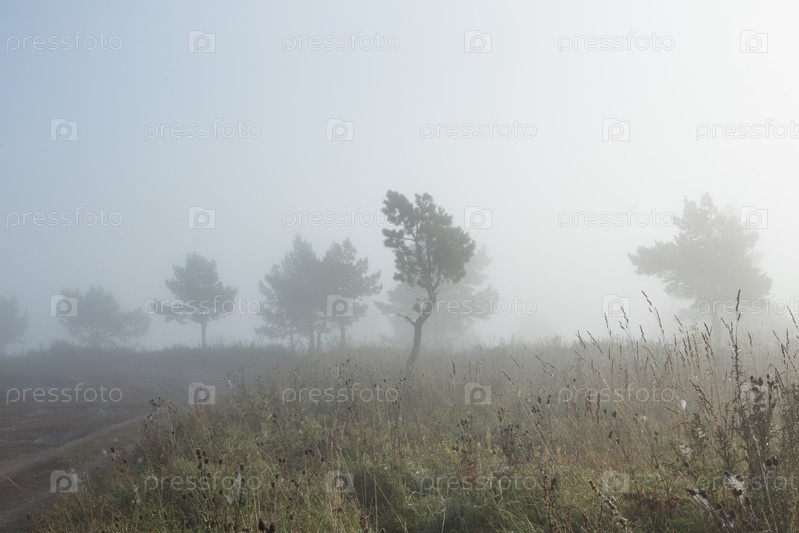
(621, 433)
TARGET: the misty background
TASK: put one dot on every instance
(626, 128)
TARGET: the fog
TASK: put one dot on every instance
(560, 136)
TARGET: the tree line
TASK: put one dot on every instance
(307, 297)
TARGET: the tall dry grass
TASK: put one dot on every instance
(611, 433)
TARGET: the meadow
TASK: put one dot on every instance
(619, 432)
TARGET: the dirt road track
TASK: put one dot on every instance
(25, 479)
(39, 436)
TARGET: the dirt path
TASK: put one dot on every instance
(25, 479)
(41, 434)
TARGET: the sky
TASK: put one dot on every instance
(560, 135)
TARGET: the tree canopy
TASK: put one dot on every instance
(99, 322)
(710, 259)
(199, 295)
(347, 280)
(303, 292)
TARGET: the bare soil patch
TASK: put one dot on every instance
(49, 422)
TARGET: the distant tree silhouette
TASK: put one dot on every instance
(710, 259)
(429, 252)
(347, 280)
(294, 303)
(199, 295)
(303, 292)
(12, 322)
(98, 321)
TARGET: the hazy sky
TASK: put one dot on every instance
(536, 111)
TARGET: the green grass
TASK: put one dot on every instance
(597, 435)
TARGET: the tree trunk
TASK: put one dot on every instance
(203, 326)
(417, 343)
(425, 313)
